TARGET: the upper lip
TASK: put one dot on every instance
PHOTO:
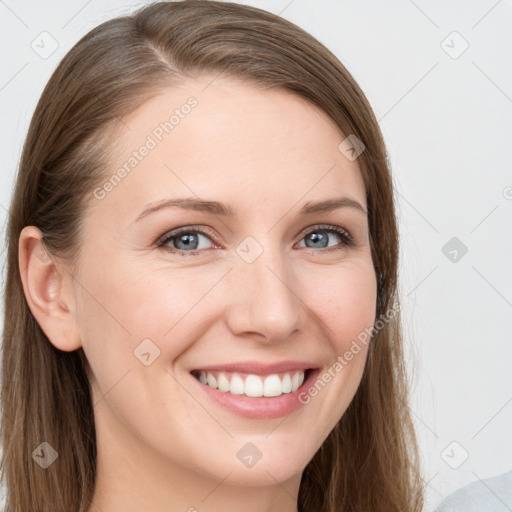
(260, 368)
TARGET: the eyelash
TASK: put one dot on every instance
(347, 240)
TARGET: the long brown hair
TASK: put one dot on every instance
(369, 462)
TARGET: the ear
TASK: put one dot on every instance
(48, 290)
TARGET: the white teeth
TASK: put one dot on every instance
(237, 385)
(287, 383)
(223, 383)
(272, 386)
(297, 380)
(211, 380)
(254, 385)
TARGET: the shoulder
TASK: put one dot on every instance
(492, 495)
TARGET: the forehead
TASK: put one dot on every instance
(231, 141)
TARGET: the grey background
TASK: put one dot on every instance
(446, 115)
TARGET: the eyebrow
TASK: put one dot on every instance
(216, 208)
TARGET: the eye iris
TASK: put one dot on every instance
(315, 237)
(188, 240)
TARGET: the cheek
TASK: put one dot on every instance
(345, 305)
(344, 299)
(130, 304)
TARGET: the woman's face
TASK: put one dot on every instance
(269, 289)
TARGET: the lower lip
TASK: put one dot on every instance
(260, 408)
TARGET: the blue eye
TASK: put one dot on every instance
(318, 236)
(183, 240)
(186, 241)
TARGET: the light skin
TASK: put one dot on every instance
(162, 443)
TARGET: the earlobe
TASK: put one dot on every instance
(48, 290)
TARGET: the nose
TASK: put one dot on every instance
(264, 298)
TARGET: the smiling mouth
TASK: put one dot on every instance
(252, 385)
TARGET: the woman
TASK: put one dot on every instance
(262, 369)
